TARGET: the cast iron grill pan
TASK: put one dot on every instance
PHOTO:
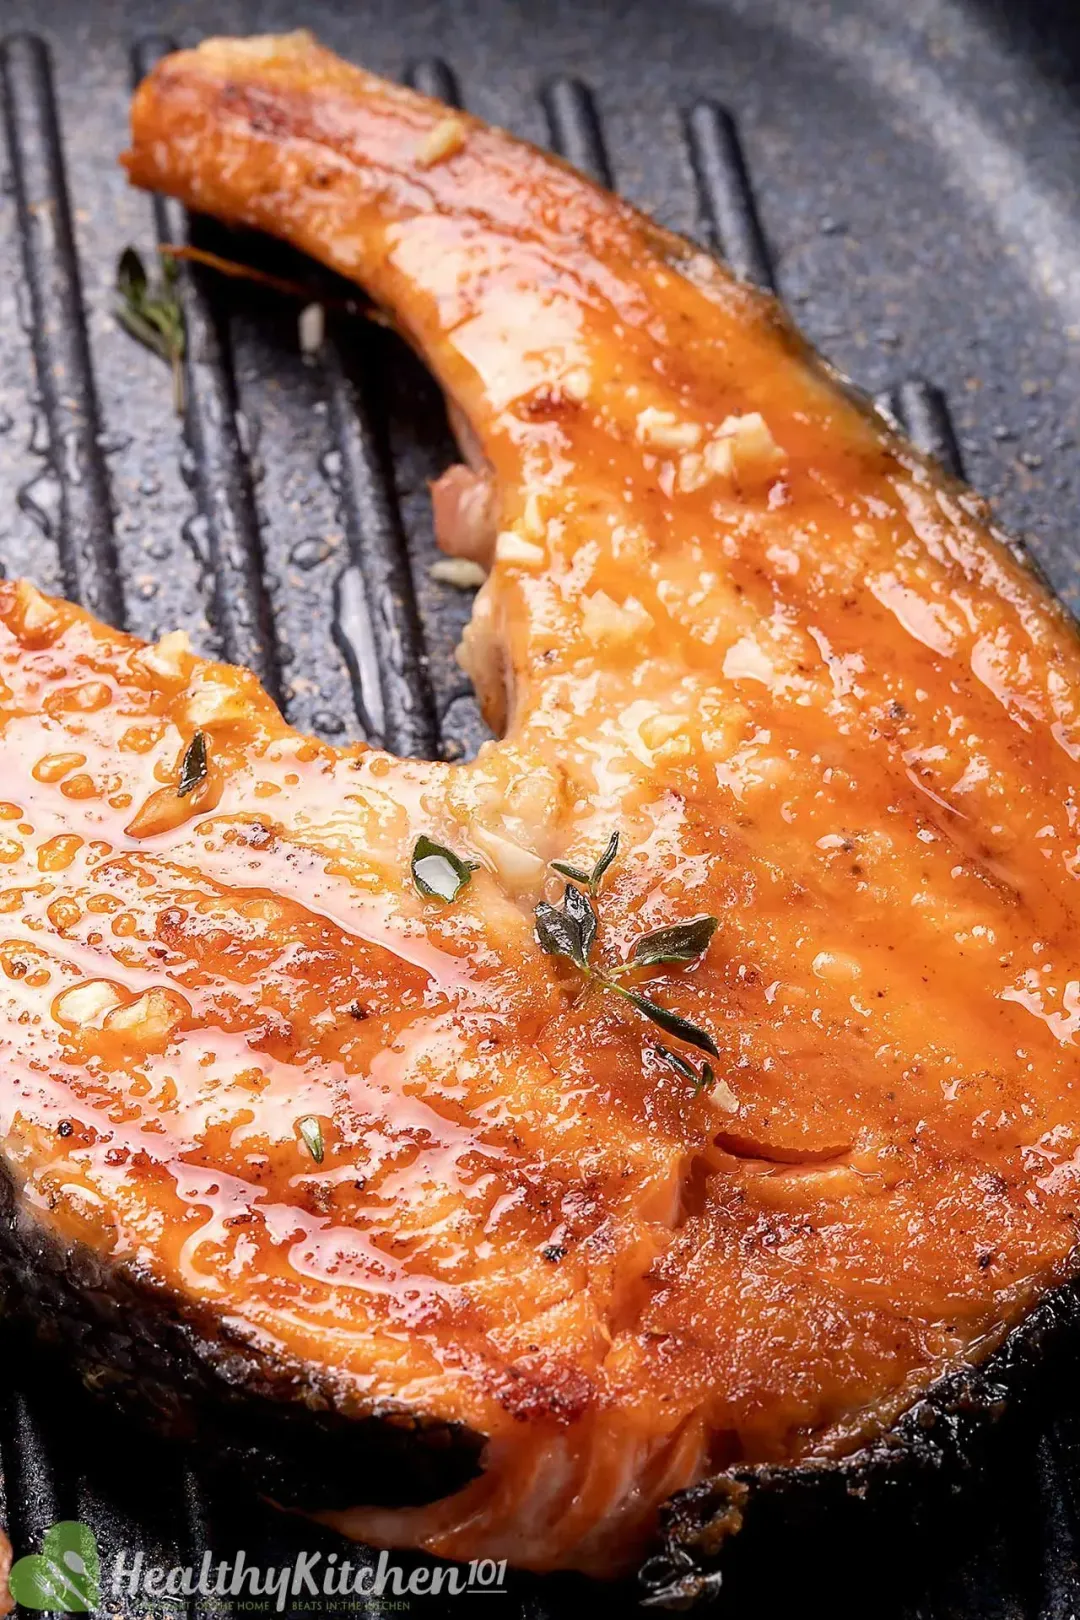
(902, 182)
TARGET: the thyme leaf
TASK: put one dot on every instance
(703, 1079)
(559, 934)
(580, 908)
(193, 766)
(438, 873)
(564, 869)
(131, 280)
(672, 1023)
(674, 1061)
(570, 929)
(590, 880)
(604, 862)
(311, 1131)
(681, 942)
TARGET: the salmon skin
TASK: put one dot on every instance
(376, 1159)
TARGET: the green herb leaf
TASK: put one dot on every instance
(131, 279)
(559, 933)
(604, 862)
(672, 1023)
(438, 873)
(681, 942)
(151, 313)
(311, 1131)
(137, 325)
(564, 869)
(703, 1079)
(589, 880)
(193, 767)
(674, 1061)
(579, 908)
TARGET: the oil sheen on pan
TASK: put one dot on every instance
(422, 1157)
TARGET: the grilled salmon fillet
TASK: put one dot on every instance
(379, 1141)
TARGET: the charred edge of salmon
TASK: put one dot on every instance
(148, 1354)
(938, 1439)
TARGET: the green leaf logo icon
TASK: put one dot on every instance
(65, 1576)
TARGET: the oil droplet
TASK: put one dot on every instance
(38, 443)
(327, 723)
(63, 913)
(42, 501)
(88, 696)
(138, 739)
(330, 467)
(310, 552)
(196, 536)
(79, 787)
(51, 767)
(57, 854)
(107, 903)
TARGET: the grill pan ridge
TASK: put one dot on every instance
(901, 180)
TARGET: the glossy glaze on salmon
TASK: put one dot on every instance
(730, 616)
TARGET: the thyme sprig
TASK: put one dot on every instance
(569, 931)
(151, 313)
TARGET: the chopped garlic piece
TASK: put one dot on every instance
(756, 451)
(576, 384)
(532, 520)
(214, 701)
(459, 571)
(661, 728)
(693, 471)
(150, 1018)
(748, 661)
(742, 450)
(511, 548)
(662, 430)
(168, 657)
(605, 620)
(719, 457)
(85, 1004)
(442, 141)
(36, 611)
(311, 328)
(721, 1096)
(518, 868)
(838, 967)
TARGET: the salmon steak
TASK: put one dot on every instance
(678, 1094)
